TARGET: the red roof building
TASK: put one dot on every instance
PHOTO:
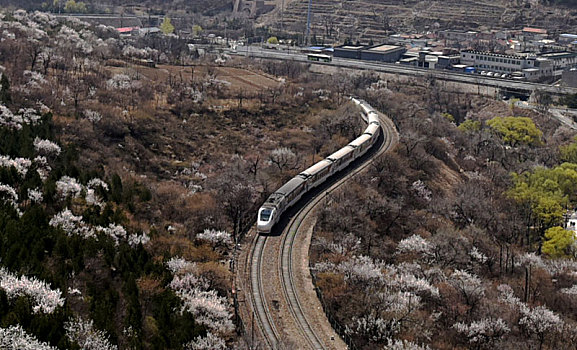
(127, 30)
(535, 30)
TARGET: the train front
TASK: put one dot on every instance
(265, 219)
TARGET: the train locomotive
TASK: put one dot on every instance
(290, 193)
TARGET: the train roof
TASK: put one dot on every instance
(372, 129)
(340, 153)
(360, 140)
(290, 185)
(274, 199)
(316, 168)
(366, 108)
(373, 117)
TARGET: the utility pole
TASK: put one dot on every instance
(308, 24)
(282, 17)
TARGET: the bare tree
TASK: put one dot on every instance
(284, 159)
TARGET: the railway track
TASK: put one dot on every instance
(262, 311)
(260, 308)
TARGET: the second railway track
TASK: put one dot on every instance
(273, 334)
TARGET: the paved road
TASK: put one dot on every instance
(521, 86)
(566, 116)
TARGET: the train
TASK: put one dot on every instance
(292, 191)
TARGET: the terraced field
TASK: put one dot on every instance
(336, 20)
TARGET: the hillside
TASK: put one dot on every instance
(124, 188)
(373, 19)
(336, 20)
(455, 239)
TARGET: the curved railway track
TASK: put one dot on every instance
(261, 308)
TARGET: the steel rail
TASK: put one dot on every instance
(292, 231)
(261, 310)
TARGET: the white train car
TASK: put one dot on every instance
(316, 174)
(288, 194)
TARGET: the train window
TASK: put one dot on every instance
(265, 214)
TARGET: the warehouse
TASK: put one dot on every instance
(382, 53)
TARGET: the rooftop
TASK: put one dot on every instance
(351, 47)
(519, 57)
(383, 48)
(535, 30)
(559, 54)
(126, 29)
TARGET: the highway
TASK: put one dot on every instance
(452, 76)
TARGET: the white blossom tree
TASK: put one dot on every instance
(72, 224)
(42, 167)
(8, 195)
(421, 190)
(207, 308)
(483, 332)
(470, 286)
(375, 328)
(116, 232)
(415, 244)
(210, 342)
(15, 338)
(136, 239)
(87, 336)
(215, 237)
(398, 344)
(35, 195)
(46, 147)
(540, 322)
(92, 116)
(178, 265)
(46, 300)
(362, 269)
(68, 186)
(205, 305)
(20, 164)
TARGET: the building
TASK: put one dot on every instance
(382, 53)
(447, 61)
(149, 31)
(128, 31)
(252, 8)
(531, 67)
(349, 51)
(561, 61)
(529, 33)
(571, 224)
(566, 39)
(410, 40)
(458, 35)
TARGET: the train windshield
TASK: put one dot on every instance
(265, 214)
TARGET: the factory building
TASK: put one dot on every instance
(349, 51)
(381, 52)
(528, 66)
